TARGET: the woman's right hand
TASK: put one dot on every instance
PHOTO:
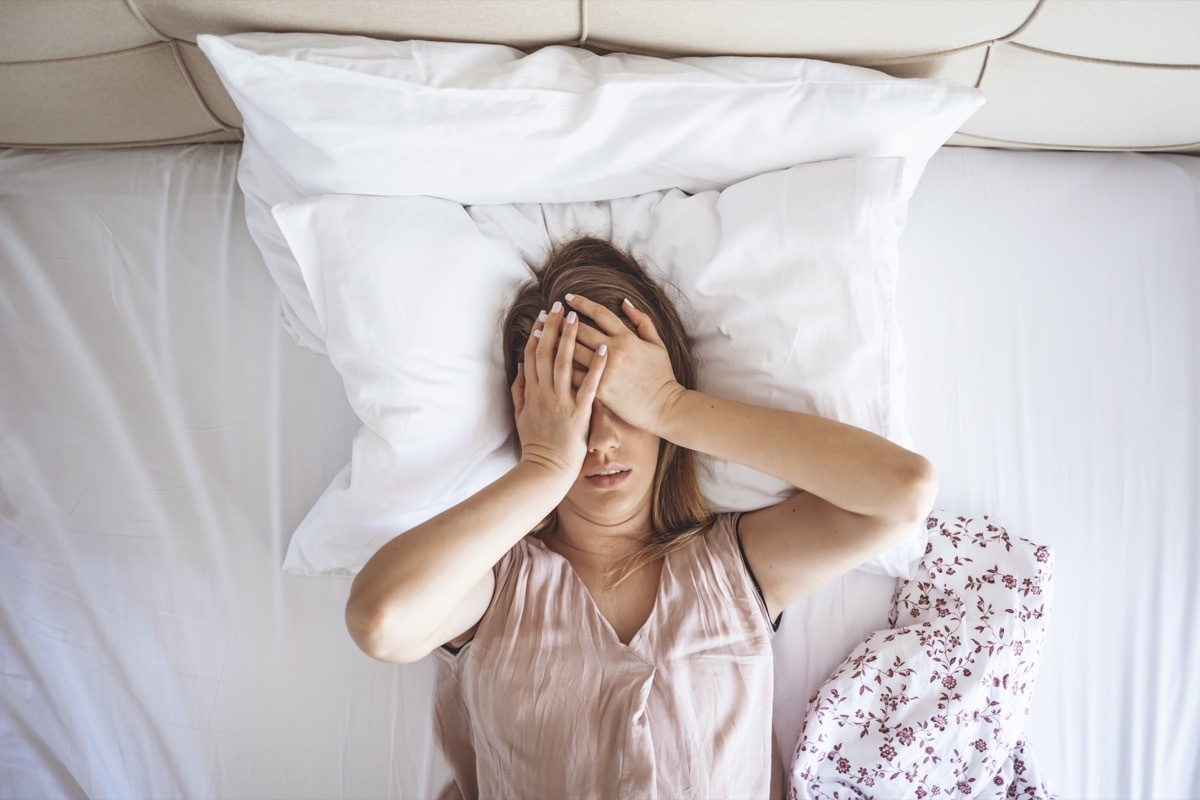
(552, 416)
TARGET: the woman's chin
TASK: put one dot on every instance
(599, 502)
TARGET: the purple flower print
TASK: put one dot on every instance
(976, 626)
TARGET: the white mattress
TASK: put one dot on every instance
(161, 436)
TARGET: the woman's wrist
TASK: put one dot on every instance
(554, 474)
(672, 413)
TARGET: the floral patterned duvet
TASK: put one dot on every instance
(935, 705)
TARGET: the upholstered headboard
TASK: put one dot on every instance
(1058, 74)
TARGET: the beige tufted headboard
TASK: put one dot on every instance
(1074, 74)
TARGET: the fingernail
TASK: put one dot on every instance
(626, 302)
(537, 334)
(557, 307)
(571, 318)
(602, 350)
(570, 297)
(541, 316)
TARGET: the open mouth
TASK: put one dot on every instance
(615, 475)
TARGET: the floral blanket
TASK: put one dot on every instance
(935, 706)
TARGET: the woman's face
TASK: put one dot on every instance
(614, 445)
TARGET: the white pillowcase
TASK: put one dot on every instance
(789, 286)
(409, 297)
(485, 123)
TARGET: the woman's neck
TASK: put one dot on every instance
(595, 546)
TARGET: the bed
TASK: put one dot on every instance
(163, 436)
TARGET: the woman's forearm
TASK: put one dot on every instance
(412, 585)
(842, 464)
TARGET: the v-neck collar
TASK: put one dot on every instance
(643, 631)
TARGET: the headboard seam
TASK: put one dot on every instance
(191, 138)
(905, 59)
(1036, 10)
(133, 9)
(89, 56)
(187, 76)
(1168, 148)
(983, 67)
(1093, 60)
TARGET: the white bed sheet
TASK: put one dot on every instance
(160, 438)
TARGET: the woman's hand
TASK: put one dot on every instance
(552, 415)
(639, 385)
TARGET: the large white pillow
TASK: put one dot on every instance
(788, 281)
(485, 123)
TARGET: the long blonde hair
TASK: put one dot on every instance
(606, 274)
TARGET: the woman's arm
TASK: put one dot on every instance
(402, 599)
(862, 493)
(847, 466)
(408, 592)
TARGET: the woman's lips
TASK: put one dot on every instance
(607, 481)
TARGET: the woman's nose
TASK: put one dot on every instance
(602, 434)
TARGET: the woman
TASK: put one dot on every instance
(600, 632)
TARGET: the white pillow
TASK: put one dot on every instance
(485, 123)
(408, 295)
(789, 287)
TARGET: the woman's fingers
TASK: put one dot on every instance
(593, 338)
(642, 321)
(530, 357)
(564, 359)
(548, 344)
(518, 388)
(591, 382)
(609, 322)
(583, 353)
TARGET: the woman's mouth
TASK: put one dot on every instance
(608, 478)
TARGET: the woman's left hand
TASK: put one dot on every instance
(638, 385)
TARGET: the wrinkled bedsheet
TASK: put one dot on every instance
(935, 705)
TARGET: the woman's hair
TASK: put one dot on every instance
(601, 272)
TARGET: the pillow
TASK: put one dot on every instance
(924, 684)
(485, 123)
(786, 280)
(408, 295)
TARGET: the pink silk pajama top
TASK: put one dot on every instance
(545, 701)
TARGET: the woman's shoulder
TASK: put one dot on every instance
(722, 529)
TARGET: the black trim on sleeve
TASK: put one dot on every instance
(737, 527)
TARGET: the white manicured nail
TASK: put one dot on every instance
(537, 334)
(541, 316)
(603, 350)
(571, 318)
(557, 307)
(570, 297)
